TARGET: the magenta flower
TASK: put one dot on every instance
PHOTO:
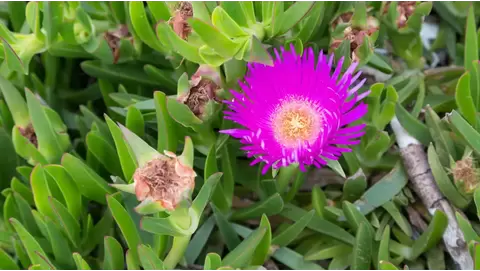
(297, 111)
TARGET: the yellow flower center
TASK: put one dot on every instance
(296, 121)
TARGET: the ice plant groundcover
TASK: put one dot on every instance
(239, 135)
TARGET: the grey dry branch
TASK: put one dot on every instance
(423, 183)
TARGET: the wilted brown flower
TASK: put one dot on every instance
(164, 180)
(113, 40)
(405, 9)
(203, 86)
(179, 20)
(464, 172)
(29, 133)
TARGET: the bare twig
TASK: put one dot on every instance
(423, 183)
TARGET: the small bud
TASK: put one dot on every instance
(165, 180)
(203, 89)
(465, 175)
(179, 20)
(405, 9)
(355, 35)
(113, 40)
(29, 133)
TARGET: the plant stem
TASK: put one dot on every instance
(179, 247)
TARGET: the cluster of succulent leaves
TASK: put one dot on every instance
(61, 78)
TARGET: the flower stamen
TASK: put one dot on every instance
(295, 122)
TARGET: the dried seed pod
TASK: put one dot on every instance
(164, 180)
(29, 133)
(180, 18)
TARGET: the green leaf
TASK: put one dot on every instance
(65, 220)
(463, 97)
(383, 191)
(318, 224)
(105, 153)
(270, 206)
(199, 240)
(142, 27)
(60, 246)
(126, 225)
(203, 196)
(262, 250)
(132, 261)
(125, 154)
(354, 217)
(312, 23)
(294, 260)
(12, 60)
(113, 259)
(135, 121)
(131, 74)
(34, 250)
(143, 152)
(444, 182)
(412, 125)
(291, 233)
(90, 184)
(441, 137)
(354, 186)
(363, 249)
(255, 52)
(467, 229)
(41, 191)
(225, 24)
(218, 197)
(26, 214)
(80, 262)
(292, 16)
(335, 166)
(15, 102)
(383, 250)
(327, 252)
(212, 261)
(476, 257)
(50, 130)
(214, 38)
(401, 221)
(181, 46)
(385, 265)
(465, 130)
(432, 235)
(228, 233)
(163, 77)
(149, 259)
(167, 135)
(6, 262)
(471, 54)
(159, 10)
(243, 253)
(8, 160)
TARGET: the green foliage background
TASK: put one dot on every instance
(60, 74)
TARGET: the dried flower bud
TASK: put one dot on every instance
(29, 133)
(405, 9)
(164, 180)
(356, 37)
(203, 87)
(179, 20)
(465, 174)
(113, 40)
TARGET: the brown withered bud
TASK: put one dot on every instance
(203, 87)
(29, 133)
(354, 35)
(164, 180)
(179, 20)
(405, 9)
(464, 172)
(343, 18)
(113, 40)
